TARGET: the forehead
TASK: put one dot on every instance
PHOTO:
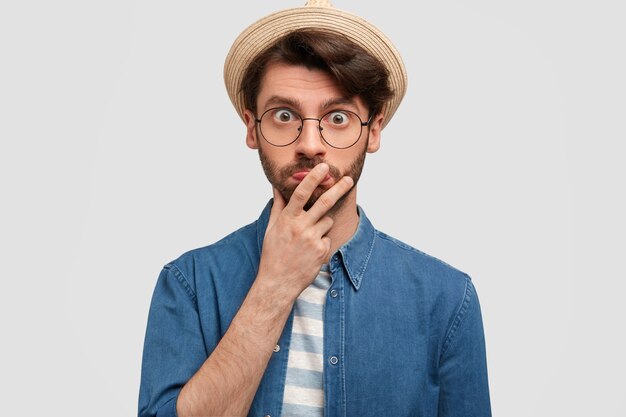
(308, 88)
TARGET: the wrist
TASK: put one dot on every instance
(276, 292)
(284, 284)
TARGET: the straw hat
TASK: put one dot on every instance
(316, 14)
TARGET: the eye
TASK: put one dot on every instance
(284, 116)
(337, 118)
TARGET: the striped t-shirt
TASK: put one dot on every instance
(304, 394)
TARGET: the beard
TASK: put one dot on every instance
(279, 177)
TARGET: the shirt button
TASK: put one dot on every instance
(276, 349)
(333, 293)
(333, 360)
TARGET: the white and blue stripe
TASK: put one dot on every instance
(304, 388)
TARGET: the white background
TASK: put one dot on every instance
(120, 151)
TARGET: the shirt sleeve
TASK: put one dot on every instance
(464, 389)
(174, 348)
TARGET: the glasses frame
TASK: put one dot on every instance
(319, 126)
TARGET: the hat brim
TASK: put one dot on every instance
(265, 32)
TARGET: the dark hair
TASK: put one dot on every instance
(356, 71)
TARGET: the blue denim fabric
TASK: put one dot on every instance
(403, 335)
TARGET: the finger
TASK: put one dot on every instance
(324, 225)
(277, 207)
(327, 200)
(305, 189)
(328, 243)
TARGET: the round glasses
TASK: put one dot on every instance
(281, 126)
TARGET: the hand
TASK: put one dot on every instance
(295, 244)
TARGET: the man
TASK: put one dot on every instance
(310, 311)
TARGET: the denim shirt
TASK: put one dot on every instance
(403, 333)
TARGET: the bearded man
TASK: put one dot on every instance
(311, 311)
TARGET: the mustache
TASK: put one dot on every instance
(308, 164)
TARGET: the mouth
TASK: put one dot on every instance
(300, 175)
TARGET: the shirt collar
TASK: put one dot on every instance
(354, 254)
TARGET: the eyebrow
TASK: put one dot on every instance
(297, 104)
(279, 101)
(338, 101)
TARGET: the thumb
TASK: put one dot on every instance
(277, 208)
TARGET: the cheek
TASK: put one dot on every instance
(277, 159)
(344, 160)
(273, 152)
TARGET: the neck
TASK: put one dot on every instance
(346, 222)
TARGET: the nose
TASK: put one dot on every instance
(310, 142)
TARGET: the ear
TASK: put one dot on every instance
(251, 137)
(375, 127)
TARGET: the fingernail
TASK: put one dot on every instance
(323, 167)
(348, 180)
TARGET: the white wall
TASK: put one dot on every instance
(120, 150)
